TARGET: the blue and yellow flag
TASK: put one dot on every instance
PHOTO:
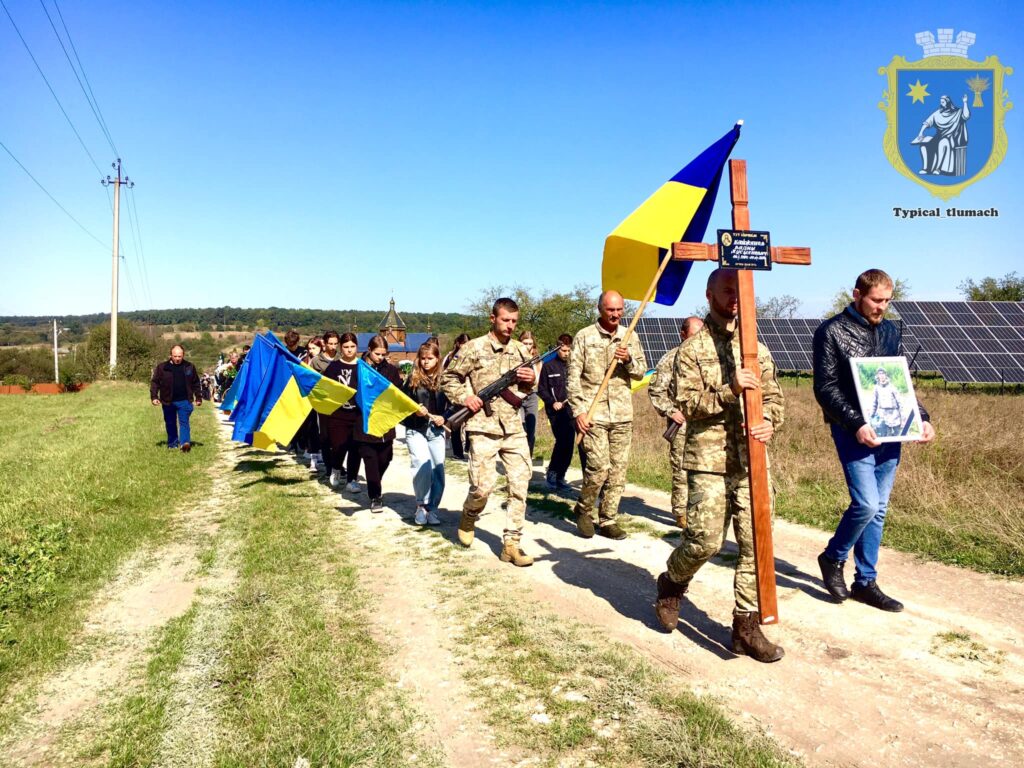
(278, 394)
(383, 404)
(637, 385)
(678, 211)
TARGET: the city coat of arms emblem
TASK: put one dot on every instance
(945, 114)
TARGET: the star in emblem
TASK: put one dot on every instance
(917, 92)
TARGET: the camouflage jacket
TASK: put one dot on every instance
(592, 350)
(704, 369)
(479, 363)
(662, 388)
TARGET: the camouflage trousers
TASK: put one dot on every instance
(607, 448)
(679, 481)
(714, 501)
(514, 452)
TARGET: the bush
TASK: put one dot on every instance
(136, 354)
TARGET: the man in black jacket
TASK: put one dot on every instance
(556, 405)
(869, 465)
(175, 385)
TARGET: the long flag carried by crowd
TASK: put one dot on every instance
(274, 393)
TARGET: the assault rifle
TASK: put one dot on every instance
(499, 388)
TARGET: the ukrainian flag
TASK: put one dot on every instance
(636, 385)
(382, 403)
(678, 211)
(304, 390)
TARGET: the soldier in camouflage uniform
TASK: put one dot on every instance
(663, 392)
(608, 434)
(500, 433)
(709, 389)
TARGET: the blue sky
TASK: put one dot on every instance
(326, 154)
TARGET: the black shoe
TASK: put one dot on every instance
(376, 505)
(871, 595)
(832, 575)
(612, 531)
(585, 524)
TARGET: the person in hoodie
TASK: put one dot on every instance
(376, 452)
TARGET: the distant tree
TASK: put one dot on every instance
(547, 315)
(1009, 287)
(900, 292)
(136, 354)
(784, 306)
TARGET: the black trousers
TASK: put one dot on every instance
(460, 442)
(376, 459)
(338, 444)
(563, 427)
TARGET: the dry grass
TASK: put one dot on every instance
(959, 500)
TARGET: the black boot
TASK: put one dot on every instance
(832, 575)
(871, 595)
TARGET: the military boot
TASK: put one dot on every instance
(512, 553)
(670, 595)
(467, 524)
(748, 639)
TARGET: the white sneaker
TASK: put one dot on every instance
(433, 519)
(353, 487)
(335, 479)
(421, 516)
(312, 462)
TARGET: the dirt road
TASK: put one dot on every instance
(941, 684)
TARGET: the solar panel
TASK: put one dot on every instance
(967, 341)
(789, 340)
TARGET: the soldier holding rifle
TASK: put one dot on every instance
(608, 435)
(495, 428)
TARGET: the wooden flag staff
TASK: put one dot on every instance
(625, 337)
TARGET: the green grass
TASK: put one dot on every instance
(135, 734)
(303, 675)
(84, 484)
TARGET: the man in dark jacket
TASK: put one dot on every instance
(552, 391)
(175, 386)
(869, 465)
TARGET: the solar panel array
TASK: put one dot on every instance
(789, 340)
(967, 341)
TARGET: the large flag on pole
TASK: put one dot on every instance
(678, 211)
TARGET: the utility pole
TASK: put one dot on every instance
(116, 182)
(56, 368)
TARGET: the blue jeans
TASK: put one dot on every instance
(870, 473)
(426, 457)
(176, 420)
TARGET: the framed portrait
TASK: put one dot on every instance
(887, 400)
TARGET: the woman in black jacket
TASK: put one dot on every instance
(376, 452)
(424, 432)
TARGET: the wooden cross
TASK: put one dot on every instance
(760, 493)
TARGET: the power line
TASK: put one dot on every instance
(52, 92)
(47, 193)
(90, 97)
(142, 250)
(143, 284)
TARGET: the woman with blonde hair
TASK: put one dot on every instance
(424, 432)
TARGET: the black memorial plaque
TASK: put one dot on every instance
(740, 249)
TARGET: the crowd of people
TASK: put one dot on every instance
(587, 393)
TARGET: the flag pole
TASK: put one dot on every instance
(625, 337)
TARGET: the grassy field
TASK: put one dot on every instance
(86, 481)
(958, 500)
